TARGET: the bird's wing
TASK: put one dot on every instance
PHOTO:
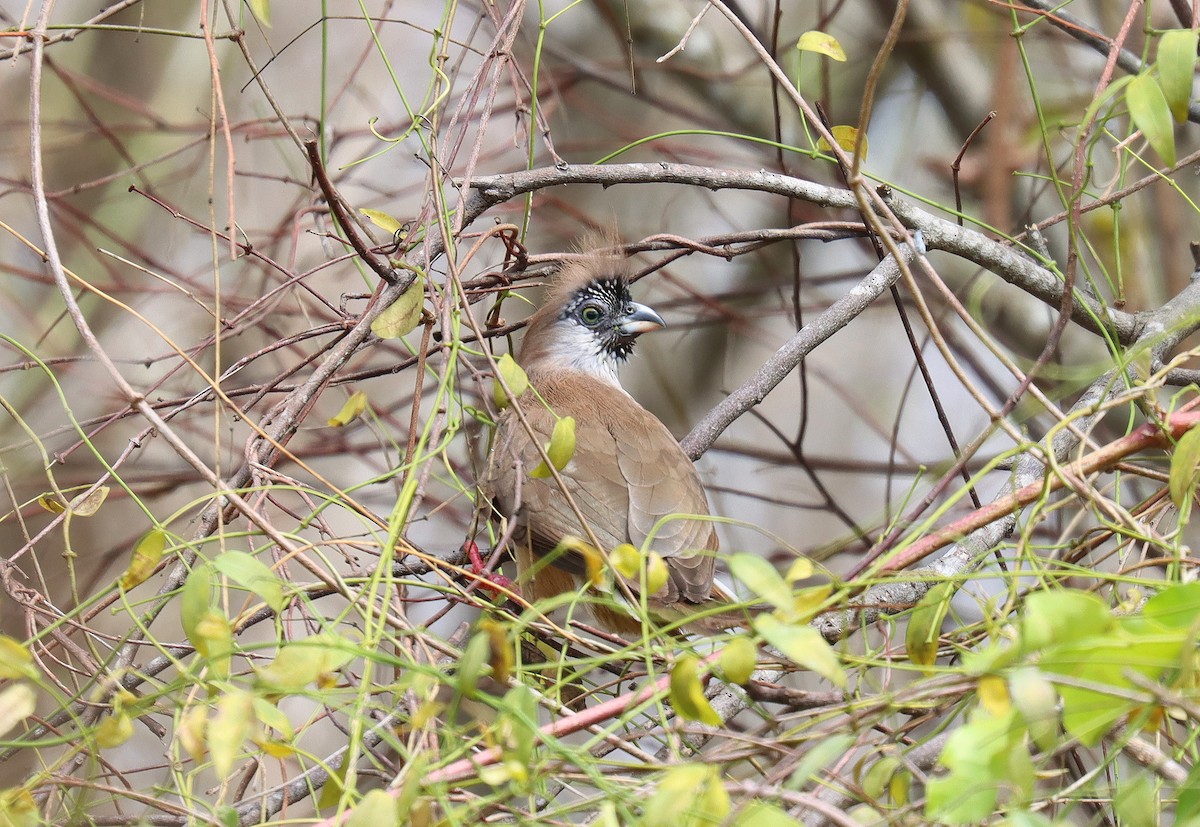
(663, 483)
(592, 476)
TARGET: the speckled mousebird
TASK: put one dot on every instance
(627, 472)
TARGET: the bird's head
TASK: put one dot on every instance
(588, 321)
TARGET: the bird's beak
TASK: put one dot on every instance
(638, 320)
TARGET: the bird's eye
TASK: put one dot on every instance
(591, 315)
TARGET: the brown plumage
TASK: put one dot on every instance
(627, 472)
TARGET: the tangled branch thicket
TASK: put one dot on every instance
(935, 365)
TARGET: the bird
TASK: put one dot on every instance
(627, 472)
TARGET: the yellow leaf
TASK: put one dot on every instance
(738, 659)
(213, 639)
(114, 730)
(146, 556)
(846, 136)
(352, 410)
(800, 569)
(993, 695)
(657, 573)
(560, 449)
(626, 560)
(402, 317)
(513, 376)
(383, 221)
(52, 502)
(15, 660)
(822, 44)
(687, 692)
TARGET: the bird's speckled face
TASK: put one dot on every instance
(598, 326)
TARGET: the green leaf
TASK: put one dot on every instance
(761, 814)
(404, 314)
(195, 599)
(687, 692)
(1135, 802)
(146, 556)
(352, 410)
(822, 755)
(803, 645)
(737, 659)
(978, 756)
(1176, 607)
(761, 578)
(560, 448)
(925, 625)
(17, 702)
(1176, 69)
(689, 795)
(262, 10)
(1185, 467)
(1036, 702)
(513, 376)
(1149, 112)
(383, 221)
(1061, 616)
(1188, 805)
(377, 809)
(822, 44)
(254, 575)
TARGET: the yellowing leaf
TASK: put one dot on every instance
(146, 556)
(228, 728)
(15, 660)
(192, 731)
(85, 505)
(560, 449)
(195, 599)
(314, 659)
(846, 137)
(213, 639)
(500, 651)
(822, 44)
(17, 702)
(687, 692)
(383, 221)
(513, 376)
(803, 645)
(1150, 113)
(738, 659)
(52, 502)
(402, 317)
(1176, 69)
(114, 730)
(352, 410)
